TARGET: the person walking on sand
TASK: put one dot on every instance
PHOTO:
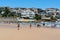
(38, 25)
(30, 25)
(18, 25)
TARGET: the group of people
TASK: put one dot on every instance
(30, 25)
(38, 25)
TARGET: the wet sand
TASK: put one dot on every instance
(28, 34)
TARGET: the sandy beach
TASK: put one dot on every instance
(11, 33)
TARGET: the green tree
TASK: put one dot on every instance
(53, 18)
(11, 15)
(6, 12)
(0, 11)
(37, 17)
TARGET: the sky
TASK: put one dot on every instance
(31, 3)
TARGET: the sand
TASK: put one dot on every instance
(29, 34)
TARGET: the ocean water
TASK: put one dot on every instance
(34, 24)
(47, 24)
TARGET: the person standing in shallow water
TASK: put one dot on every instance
(18, 25)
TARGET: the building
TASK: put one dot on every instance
(58, 14)
(27, 14)
(51, 11)
(44, 16)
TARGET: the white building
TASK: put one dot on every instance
(52, 11)
(28, 13)
(16, 11)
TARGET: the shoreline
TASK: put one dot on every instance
(29, 34)
(14, 25)
(8, 32)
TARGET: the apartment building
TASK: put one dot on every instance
(51, 11)
(27, 13)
